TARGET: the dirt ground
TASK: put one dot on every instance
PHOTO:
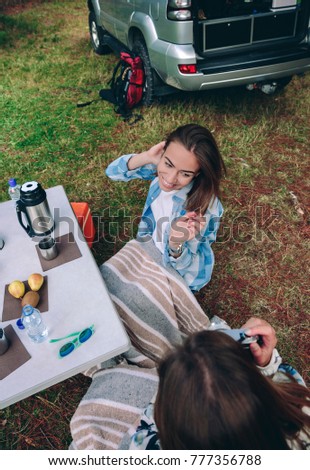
(12, 7)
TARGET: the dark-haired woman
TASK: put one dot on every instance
(212, 395)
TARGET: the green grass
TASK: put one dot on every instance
(46, 68)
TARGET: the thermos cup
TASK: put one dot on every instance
(4, 342)
(48, 248)
(33, 208)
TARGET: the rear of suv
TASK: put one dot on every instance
(195, 45)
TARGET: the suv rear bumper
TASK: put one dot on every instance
(234, 70)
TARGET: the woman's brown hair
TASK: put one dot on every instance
(200, 141)
(212, 396)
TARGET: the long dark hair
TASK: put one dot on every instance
(212, 396)
(200, 141)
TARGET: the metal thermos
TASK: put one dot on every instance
(33, 207)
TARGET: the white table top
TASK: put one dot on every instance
(77, 298)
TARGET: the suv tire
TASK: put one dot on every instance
(96, 35)
(140, 49)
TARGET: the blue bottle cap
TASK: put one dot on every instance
(12, 182)
(19, 324)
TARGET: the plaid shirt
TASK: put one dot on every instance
(196, 262)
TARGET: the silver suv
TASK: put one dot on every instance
(201, 44)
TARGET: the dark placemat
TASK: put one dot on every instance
(67, 251)
(15, 356)
(12, 308)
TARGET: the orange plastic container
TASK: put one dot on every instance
(85, 220)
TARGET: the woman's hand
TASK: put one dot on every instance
(261, 352)
(186, 228)
(155, 152)
(151, 156)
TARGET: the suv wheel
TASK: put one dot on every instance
(96, 35)
(140, 49)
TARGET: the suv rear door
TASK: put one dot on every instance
(115, 16)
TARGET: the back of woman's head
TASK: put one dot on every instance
(200, 141)
(211, 396)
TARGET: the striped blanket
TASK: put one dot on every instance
(158, 311)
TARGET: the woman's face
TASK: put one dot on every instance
(177, 167)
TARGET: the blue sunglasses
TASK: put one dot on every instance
(81, 337)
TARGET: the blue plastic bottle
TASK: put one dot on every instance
(14, 189)
(32, 321)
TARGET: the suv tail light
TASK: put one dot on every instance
(188, 68)
(179, 10)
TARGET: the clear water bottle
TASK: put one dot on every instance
(32, 321)
(14, 189)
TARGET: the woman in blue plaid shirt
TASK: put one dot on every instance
(182, 210)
